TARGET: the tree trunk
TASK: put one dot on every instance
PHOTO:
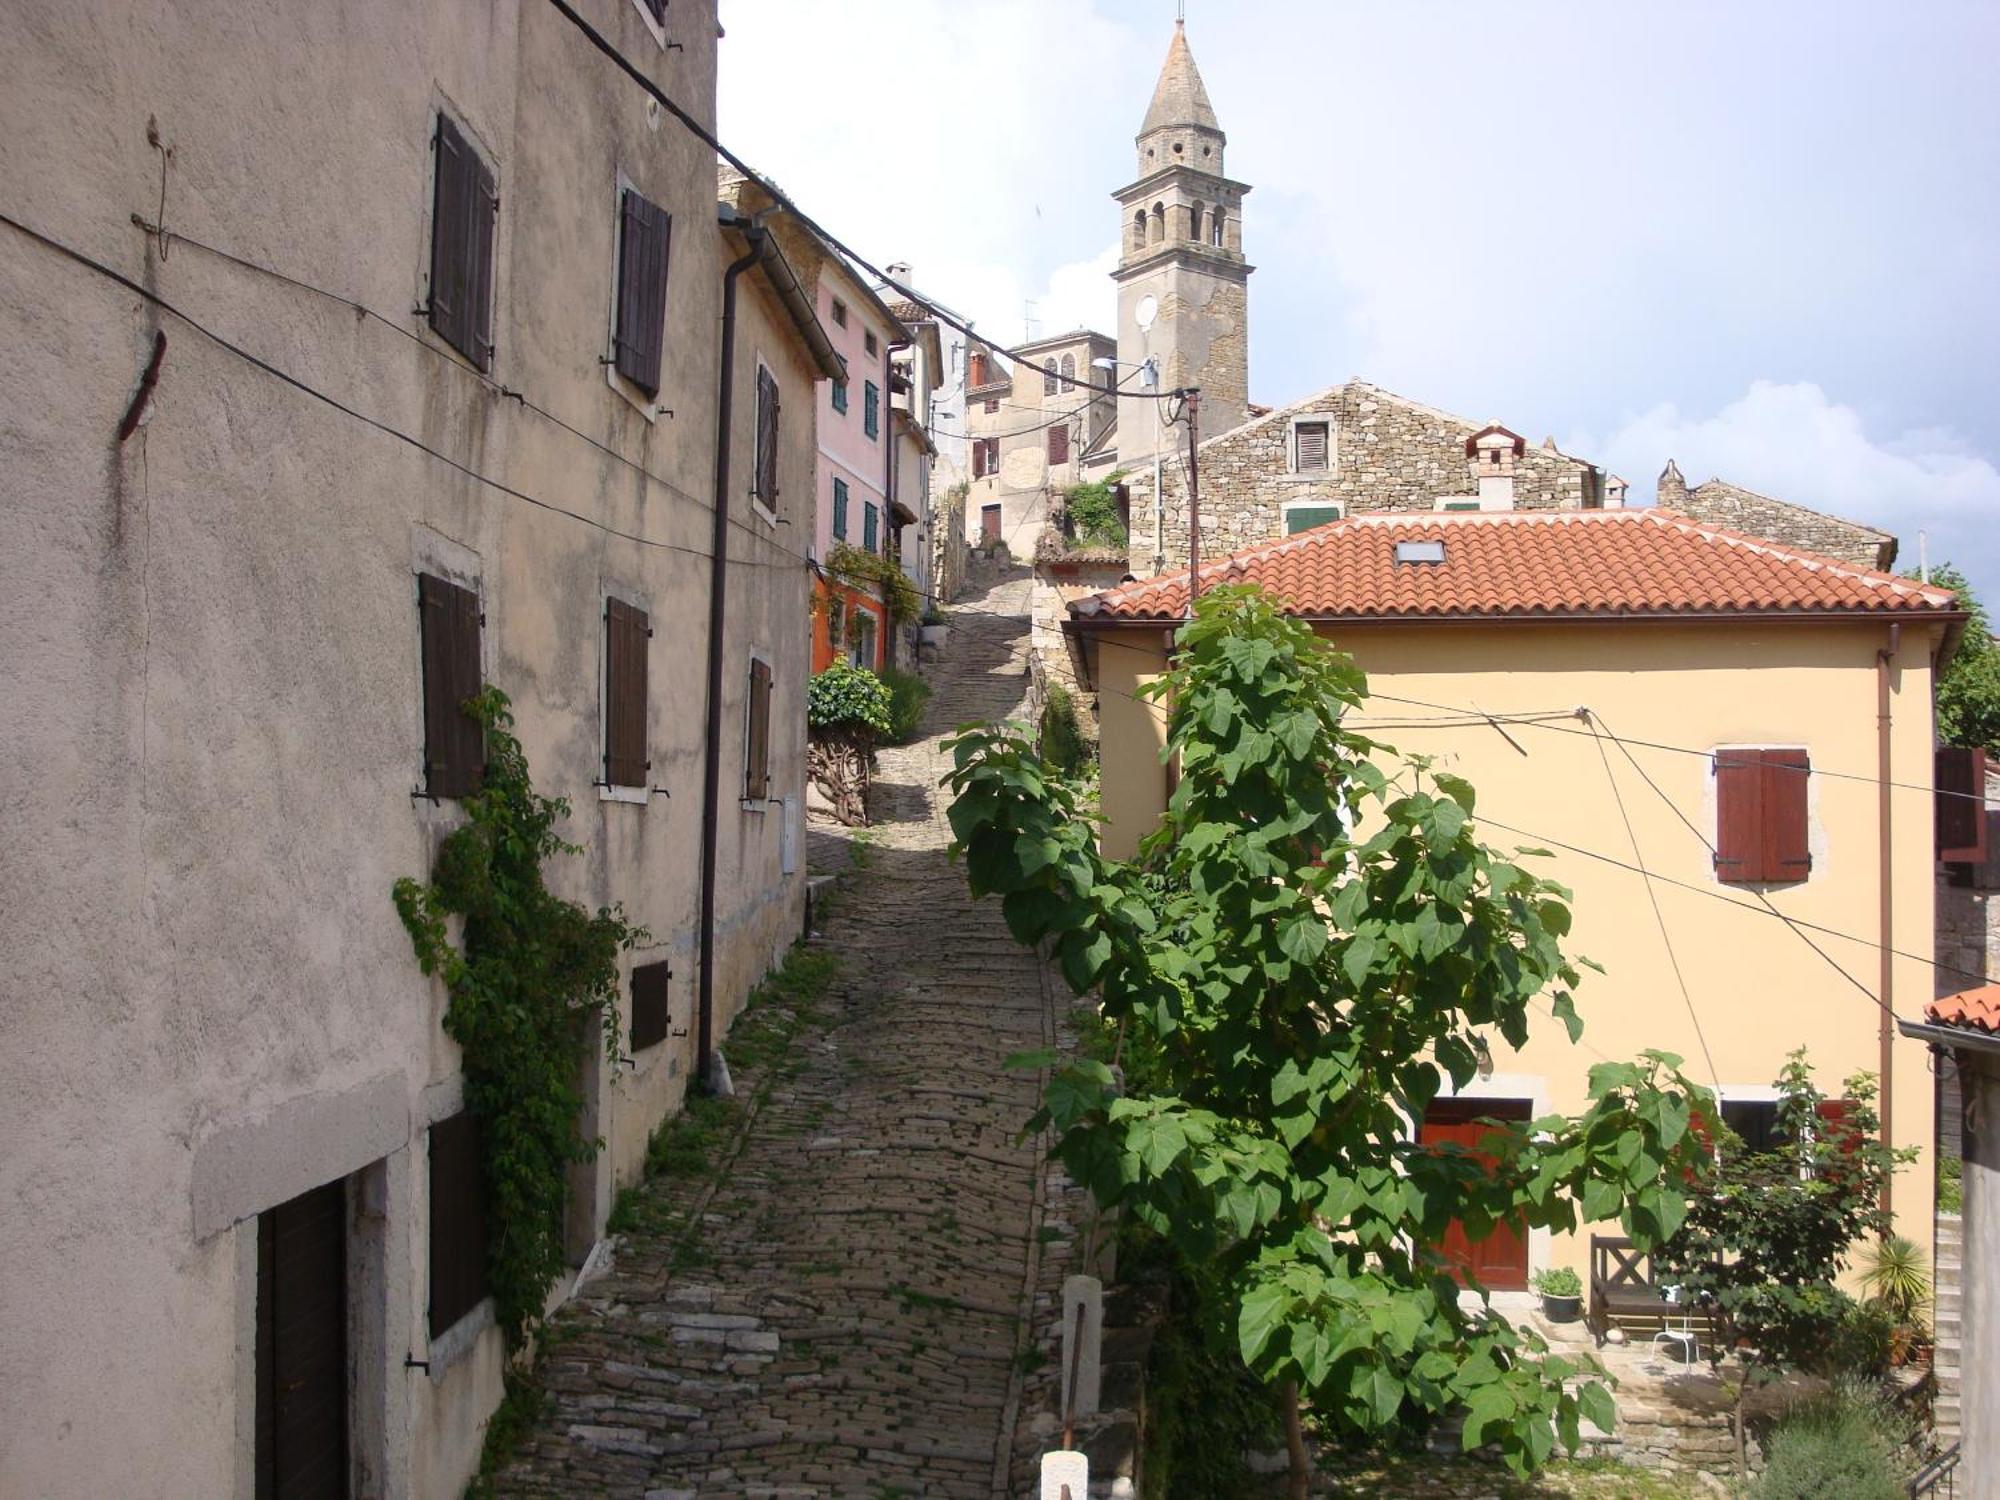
(1736, 1423)
(1295, 1445)
(839, 767)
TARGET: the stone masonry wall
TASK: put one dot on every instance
(1736, 509)
(1388, 454)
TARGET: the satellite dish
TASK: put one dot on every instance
(1147, 310)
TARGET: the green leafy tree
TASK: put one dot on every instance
(849, 710)
(1303, 993)
(1968, 690)
(1762, 1248)
(1092, 508)
(532, 975)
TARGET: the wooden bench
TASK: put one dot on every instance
(1623, 1291)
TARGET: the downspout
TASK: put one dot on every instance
(1886, 984)
(889, 526)
(718, 599)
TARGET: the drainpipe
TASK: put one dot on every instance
(1886, 984)
(889, 527)
(718, 599)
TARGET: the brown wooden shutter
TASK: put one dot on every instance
(767, 438)
(644, 234)
(454, 744)
(1961, 805)
(1311, 439)
(451, 201)
(757, 769)
(458, 1220)
(1787, 841)
(626, 633)
(1059, 443)
(1739, 816)
(479, 256)
(657, 9)
(649, 1004)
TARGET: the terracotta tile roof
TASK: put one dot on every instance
(1532, 565)
(1978, 1008)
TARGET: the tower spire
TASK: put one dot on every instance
(1179, 98)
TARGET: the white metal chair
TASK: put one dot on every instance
(1678, 1331)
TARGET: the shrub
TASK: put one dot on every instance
(1063, 746)
(847, 699)
(908, 693)
(1093, 513)
(1558, 1281)
(1894, 1276)
(1951, 1185)
(1841, 1444)
(1860, 1339)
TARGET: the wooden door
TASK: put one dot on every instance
(1499, 1262)
(989, 523)
(302, 1347)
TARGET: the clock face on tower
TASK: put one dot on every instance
(1147, 310)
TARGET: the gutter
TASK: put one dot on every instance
(1957, 1037)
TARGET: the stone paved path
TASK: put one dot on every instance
(838, 1311)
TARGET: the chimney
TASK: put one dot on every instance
(1614, 493)
(1492, 451)
(1672, 491)
(899, 271)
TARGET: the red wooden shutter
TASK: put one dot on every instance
(757, 758)
(1787, 844)
(644, 232)
(458, 1220)
(1961, 805)
(649, 1004)
(1739, 803)
(454, 742)
(626, 632)
(1059, 444)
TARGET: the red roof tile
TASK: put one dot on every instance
(1978, 1008)
(1532, 565)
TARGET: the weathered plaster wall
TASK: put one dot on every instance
(208, 649)
(1758, 990)
(1386, 454)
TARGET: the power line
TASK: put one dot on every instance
(287, 378)
(707, 137)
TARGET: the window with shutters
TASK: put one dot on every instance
(757, 733)
(1311, 447)
(861, 638)
(465, 208)
(869, 343)
(458, 1221)
(628, 762)
(839, 395)
(989, 407)
(868, 526)
(1305, 514)
(840, 509)
(639, 313)
(764, 479)
(1049, 377)
(650, 1011)
(839, 313)
(449, 620)
(871, 409)
(1059, 443)
(1762, 829)
(1961, 806)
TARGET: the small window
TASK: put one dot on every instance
(1761, 829)
(1429, 552)
(871, 409)
(840, 509)
(989, 407)
(449, 619)
(839, 313)
(1754, 1122)
(627, 632)
(1309, 447)
(1048, 377)
(861, 639)
(869, 530)
(765, 483)
(644, 232)
(650, 1011)
(1069, 369)
(1059, 443)
(839, 395)
(757, 734)
(1961, 806)
(464, 207)
(458, 1221)
(870, 344)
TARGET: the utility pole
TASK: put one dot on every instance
(1193, 411)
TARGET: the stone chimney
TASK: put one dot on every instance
(1614, 493)
(1672, 491)
(1492, 451)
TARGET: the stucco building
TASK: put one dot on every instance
(1682, 716)
(440, 407)
(1036, 430)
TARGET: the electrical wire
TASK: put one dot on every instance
(708, 138)
(287, 378)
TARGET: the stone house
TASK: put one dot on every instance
(236, 622)
(1532, 653)
(1035, 432)
(1722, 504)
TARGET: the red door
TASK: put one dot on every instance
(989, 523)
(1498, 1262)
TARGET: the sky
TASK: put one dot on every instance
(1759, 237)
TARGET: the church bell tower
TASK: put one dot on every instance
(1183, 285)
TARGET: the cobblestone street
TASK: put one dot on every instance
(835, 1307)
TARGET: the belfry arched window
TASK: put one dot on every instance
(1139, 230)
(1069, 369)
(1215, 228)
(1194, 223)
(1159, 222)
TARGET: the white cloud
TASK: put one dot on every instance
(1792, 441)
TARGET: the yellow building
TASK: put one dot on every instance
(1726, 743)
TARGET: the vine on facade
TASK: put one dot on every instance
(857, 566)
(529, 978)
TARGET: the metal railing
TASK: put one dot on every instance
(1938, 1477)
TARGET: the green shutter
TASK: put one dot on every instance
(840, 508)
(1460, 505)
(839, 395)
(1305, 517)
(871, 406)
(867, 526)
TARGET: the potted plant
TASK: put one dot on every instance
(936, 629)
(1562, 1293)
